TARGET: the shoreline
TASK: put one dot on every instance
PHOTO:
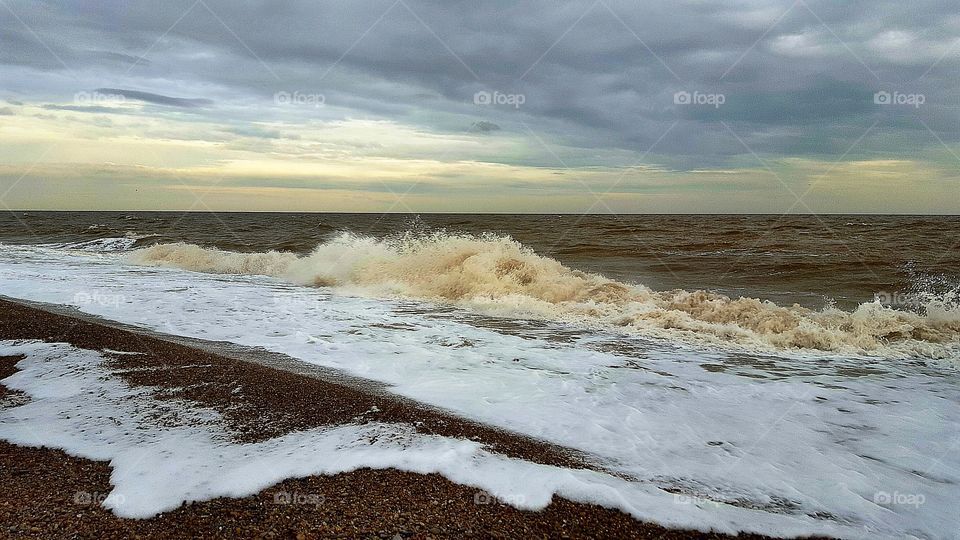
(266, 396)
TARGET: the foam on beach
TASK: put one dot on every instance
(78, 406)
(496, 275)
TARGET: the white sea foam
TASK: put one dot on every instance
(105, 245)
(191, 457)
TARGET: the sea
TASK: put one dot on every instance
(786, 375)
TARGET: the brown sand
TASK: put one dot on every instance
(7, 368)
(48, 494)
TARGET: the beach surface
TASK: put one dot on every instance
(48, 493)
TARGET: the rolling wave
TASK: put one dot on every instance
(497, 275)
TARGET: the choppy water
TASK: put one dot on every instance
(810, 260)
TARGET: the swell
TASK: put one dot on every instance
(497, 275)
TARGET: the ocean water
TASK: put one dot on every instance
(782, 376)
(845, 260)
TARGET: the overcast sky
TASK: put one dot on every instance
(514, 106)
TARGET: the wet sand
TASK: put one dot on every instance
(48, 494)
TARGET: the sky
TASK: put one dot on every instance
(598, 106)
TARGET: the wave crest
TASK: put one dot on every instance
(498, 276)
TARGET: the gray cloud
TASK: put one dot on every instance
(484, 126)
(158, 99)
(82, 108)
(795, 81)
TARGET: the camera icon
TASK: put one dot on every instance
(482, 98)
(282, 98)
(882, 98)
(882, 497)
(682, 98)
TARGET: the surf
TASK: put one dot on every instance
(496, 275)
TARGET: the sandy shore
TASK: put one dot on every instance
(49, 494)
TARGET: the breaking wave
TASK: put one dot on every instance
(497, 275)
(110, 244)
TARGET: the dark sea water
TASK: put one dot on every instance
(804, 259)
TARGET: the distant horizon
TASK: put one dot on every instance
(571, 214)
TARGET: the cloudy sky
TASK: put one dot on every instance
(513, 106)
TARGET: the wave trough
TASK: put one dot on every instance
(498, 276)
